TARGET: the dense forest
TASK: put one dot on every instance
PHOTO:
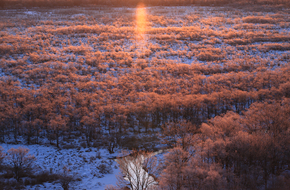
(234, 152)
(211, 85)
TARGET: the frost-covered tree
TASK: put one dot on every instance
(138, 171)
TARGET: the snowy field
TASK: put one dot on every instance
(82, 163)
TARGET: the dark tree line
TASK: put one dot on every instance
(58, 3)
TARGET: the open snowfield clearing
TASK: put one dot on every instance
(82, 163)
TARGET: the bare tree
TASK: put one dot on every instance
(20, 160)
(138, 171)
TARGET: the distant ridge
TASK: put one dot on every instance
(62, 3)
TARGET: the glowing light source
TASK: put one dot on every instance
(141, 19)
(141, 27)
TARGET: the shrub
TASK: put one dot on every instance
(83, 144)
(2, 156)
(98, 155)
(105, 168)
(69, 146)
(45, 176)
(209, 56)
(65, 178)
(259, 19)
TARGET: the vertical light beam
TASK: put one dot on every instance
(141, 27)
(141, 19)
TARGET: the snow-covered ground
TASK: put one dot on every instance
(82, 163)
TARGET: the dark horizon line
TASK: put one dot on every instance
(130, 3)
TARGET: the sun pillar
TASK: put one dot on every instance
(141, 26)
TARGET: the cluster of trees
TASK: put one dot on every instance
(51, 3)
(231, 151)
(138, 101)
